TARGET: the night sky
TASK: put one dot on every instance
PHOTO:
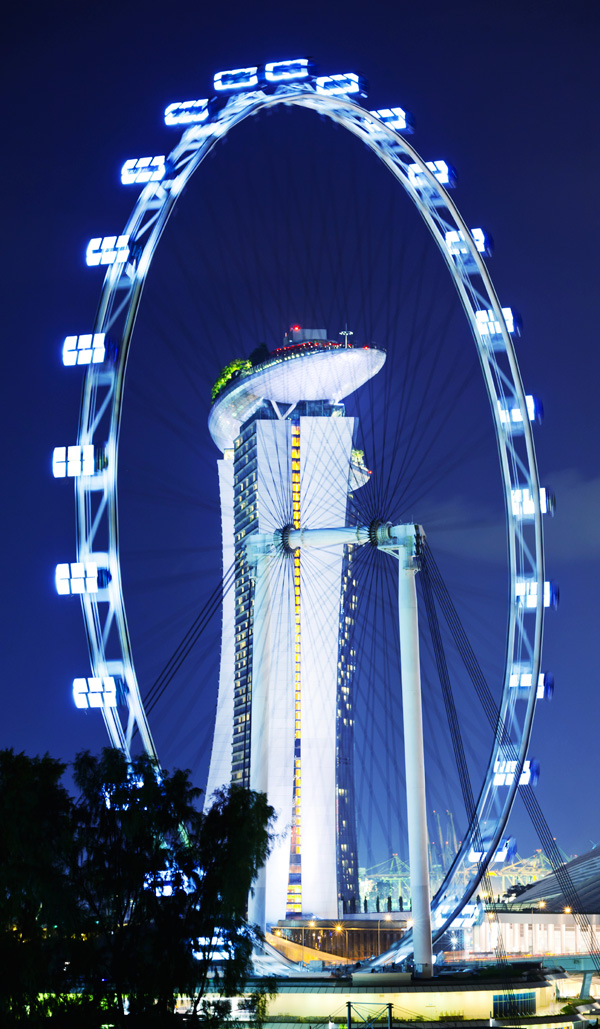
(506, 93)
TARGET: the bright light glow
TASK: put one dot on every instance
(73, 461)
(162, 882)
(107, 250)
(526, 593)
(59, 462)
(90, 349)
(139, 170)
(396, 118)
(238, 78)
(78, 577)
(488, 325)
(510, 412)
(94, 692)
(443, 172)
(481, 240)
(522, 502)
(505, 772)
(186, 112)
(456, 243)
(505, 850)
(62, 579)
(521, 678)
(348, 82)
(283, 71)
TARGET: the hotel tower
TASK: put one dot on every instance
(284, 721)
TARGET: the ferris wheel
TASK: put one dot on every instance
(96, 574)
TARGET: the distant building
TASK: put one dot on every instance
(539, 921)
(285, 714)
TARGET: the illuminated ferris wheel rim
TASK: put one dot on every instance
(129, 257)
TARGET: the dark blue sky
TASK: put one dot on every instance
(509, 97)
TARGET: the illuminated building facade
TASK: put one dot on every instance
(284, 715)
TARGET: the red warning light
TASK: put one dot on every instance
(295, 328)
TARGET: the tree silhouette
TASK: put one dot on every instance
(37, 906)
(113, 904)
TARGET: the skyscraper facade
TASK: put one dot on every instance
(284, 720)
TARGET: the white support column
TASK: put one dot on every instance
(414, 760)
(259, 769)
(403, 542)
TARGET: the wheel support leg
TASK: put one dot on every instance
(414, 762)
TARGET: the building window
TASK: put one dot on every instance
(519, 1004)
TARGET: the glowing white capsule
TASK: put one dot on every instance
(78, 577)
(138, 171)
(505, 850)
(186, 112)
(237, 78)
(95, 692)
(107, 250)
(285, 71)
(335, 85)
(87, 349)
(523, 505)
(59, 462)
(80, 689)
(73, 461)
(63, 579)
(511, 418)
(488, 324)
(526, 593)
(522, 678)
(443, 173)
(505, 772)
(396, 118)
(457, 245)
(480, 239)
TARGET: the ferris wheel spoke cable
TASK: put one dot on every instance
(401, 477)
(396, 480)
(381, 687)
(470, 661)
(366, 740)
(456, 736)
(176, 331)
(191, 637)
(374, 751)
(530, 801)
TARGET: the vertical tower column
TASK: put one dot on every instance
(271, 660)
(326, 445)
(294, 891)
(414, 759)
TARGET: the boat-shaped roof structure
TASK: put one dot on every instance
(319, 370)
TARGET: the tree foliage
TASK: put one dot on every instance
(121, 899)
(37, 907)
